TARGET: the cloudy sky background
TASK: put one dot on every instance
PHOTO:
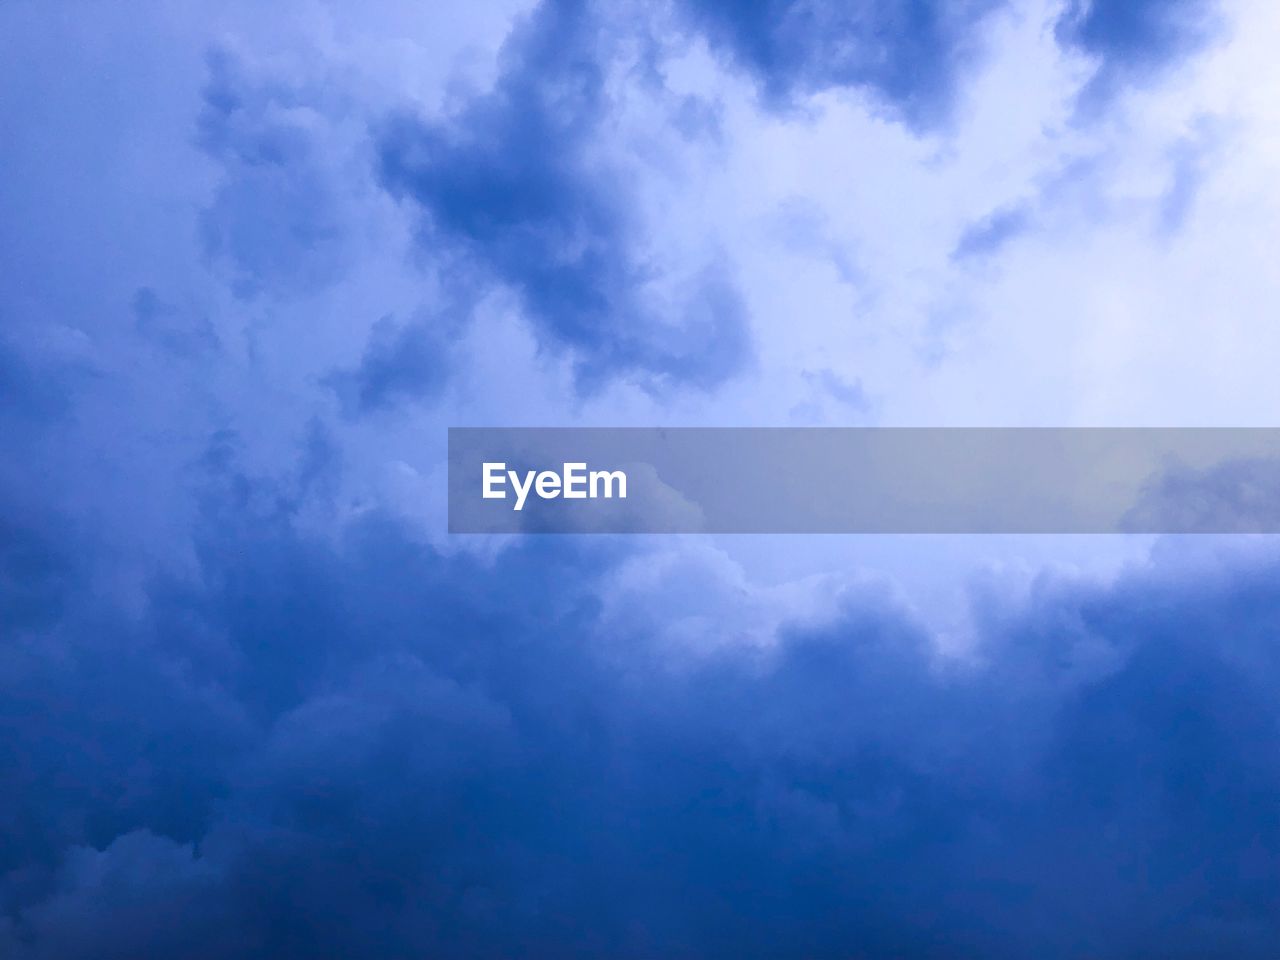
(255, 702)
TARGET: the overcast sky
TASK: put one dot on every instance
(254, 259)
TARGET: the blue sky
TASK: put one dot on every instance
(255, 702)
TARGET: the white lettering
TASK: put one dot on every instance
(548, 484)
(609, 476)
(575, 482)
(575, 473)
(521, 491)
(493, 476)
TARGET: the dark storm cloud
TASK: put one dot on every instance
(368, 748)
(907, 53)
(400, 365)
(514, 187)
(1133, 39)
(32, 576)
(910, 54)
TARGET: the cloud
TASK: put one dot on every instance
(29, 391)
(516, 187)
(288, 723)
(276, 217)
(165, 324)
(909, 56)
(398, 366)
(349, 746)
(32, 577)
(850, 395)
(1190, 159)
(1233, 496)
(990, 234)
(1133, 39)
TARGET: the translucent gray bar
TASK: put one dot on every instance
(866, 480)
